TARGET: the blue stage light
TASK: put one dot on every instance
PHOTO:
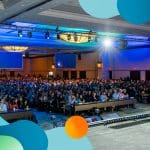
(20, 33)
(47, 35)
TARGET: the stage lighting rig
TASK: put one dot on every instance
(29, 34)
(20, 33)
(47, 35)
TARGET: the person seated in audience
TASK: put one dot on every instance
(21, 104)
(10, 104)
(115, 95)
(26, 104)
(109, 94)
(94, 97)
(3, 106)
(89, 97)
(121, 94)
(103, 97)
(15, 104)
(126, 95)
(78, 98)
(72, 101)
(71, 104)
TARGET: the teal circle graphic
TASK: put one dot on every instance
(29, 134)
(58, 140)
(100, 8)
(135, 11)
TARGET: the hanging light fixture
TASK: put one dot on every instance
(15, 48)
(76, 37)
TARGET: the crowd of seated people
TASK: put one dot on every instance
(35, 92)
(12, 104)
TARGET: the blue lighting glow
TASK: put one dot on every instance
(49, 27)
(9, 36)
(23, 24)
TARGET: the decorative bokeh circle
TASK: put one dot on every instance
(76, 127)
(100, 8)
(59, 140)
(9, 143)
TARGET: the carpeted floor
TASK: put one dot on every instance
(50, 120)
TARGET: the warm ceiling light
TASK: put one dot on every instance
(15, 48)
(77, 37)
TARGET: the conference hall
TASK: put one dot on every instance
(70, 80)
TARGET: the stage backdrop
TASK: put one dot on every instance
(65, 61)
(11, 60)
(121, 62)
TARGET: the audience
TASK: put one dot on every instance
(35, 92)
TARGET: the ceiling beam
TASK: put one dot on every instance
(24, 7)
(21, 10)
(89, 19)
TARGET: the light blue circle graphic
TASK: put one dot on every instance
(58, 140)
(100, 8)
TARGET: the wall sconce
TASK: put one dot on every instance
(99, 65)
(53, 67)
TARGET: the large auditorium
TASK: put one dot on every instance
(74, 75)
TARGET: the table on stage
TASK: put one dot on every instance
(109, 104)
(12, 116)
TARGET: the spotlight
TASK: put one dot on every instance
(107, 42)
(75, 38)
(122, 44)
(59, 64)
(29, 34)
(26, 55)
(20, 33)
(69, 37)
(57, 29)
(47, 35)
(58, 36)
(89, 38)
(96, 39)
